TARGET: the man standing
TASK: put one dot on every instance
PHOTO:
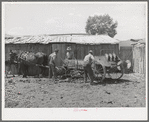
(88, 60)
(52, 66)
(69, 54)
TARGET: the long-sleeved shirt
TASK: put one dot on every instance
(52, 58)
(88, 59)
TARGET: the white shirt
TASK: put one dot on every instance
(88, 59)
(52, 58)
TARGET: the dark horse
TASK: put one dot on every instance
(26, 59)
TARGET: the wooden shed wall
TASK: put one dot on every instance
(80, 50)
(83, 50)
(27, 47)
(126, 53)
(139, 59)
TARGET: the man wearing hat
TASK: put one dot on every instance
(69, 54)
(88, 60)
(52, 65)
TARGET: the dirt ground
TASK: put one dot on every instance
(31, 92)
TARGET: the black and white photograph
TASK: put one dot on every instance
(74, 60)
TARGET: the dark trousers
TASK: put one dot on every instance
(52, 71)
(88, 71)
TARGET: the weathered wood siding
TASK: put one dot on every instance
(82, 50)
(139, 58)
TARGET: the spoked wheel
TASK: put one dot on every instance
(99, 72)
(116, 72)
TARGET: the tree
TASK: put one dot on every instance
(102, 24)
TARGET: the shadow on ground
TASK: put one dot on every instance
(113, 81)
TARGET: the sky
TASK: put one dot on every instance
(59, 18)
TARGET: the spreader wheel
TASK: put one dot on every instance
(116, 72)
(99, 72)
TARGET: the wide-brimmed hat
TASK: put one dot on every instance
(91, 51)
(68, 48)
(56, 50)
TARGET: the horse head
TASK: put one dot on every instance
(13, 56)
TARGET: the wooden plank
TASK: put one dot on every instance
(139, 59)
(86, 50)
(144, 61)
(78, 51)
(98, 48)
(62, 52)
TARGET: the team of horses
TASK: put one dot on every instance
(23, 60)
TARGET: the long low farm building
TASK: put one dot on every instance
(80, 44)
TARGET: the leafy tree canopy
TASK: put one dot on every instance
(102, 24)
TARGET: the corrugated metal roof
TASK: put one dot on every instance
(99, 39)
(84, 39)
(140, 41)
